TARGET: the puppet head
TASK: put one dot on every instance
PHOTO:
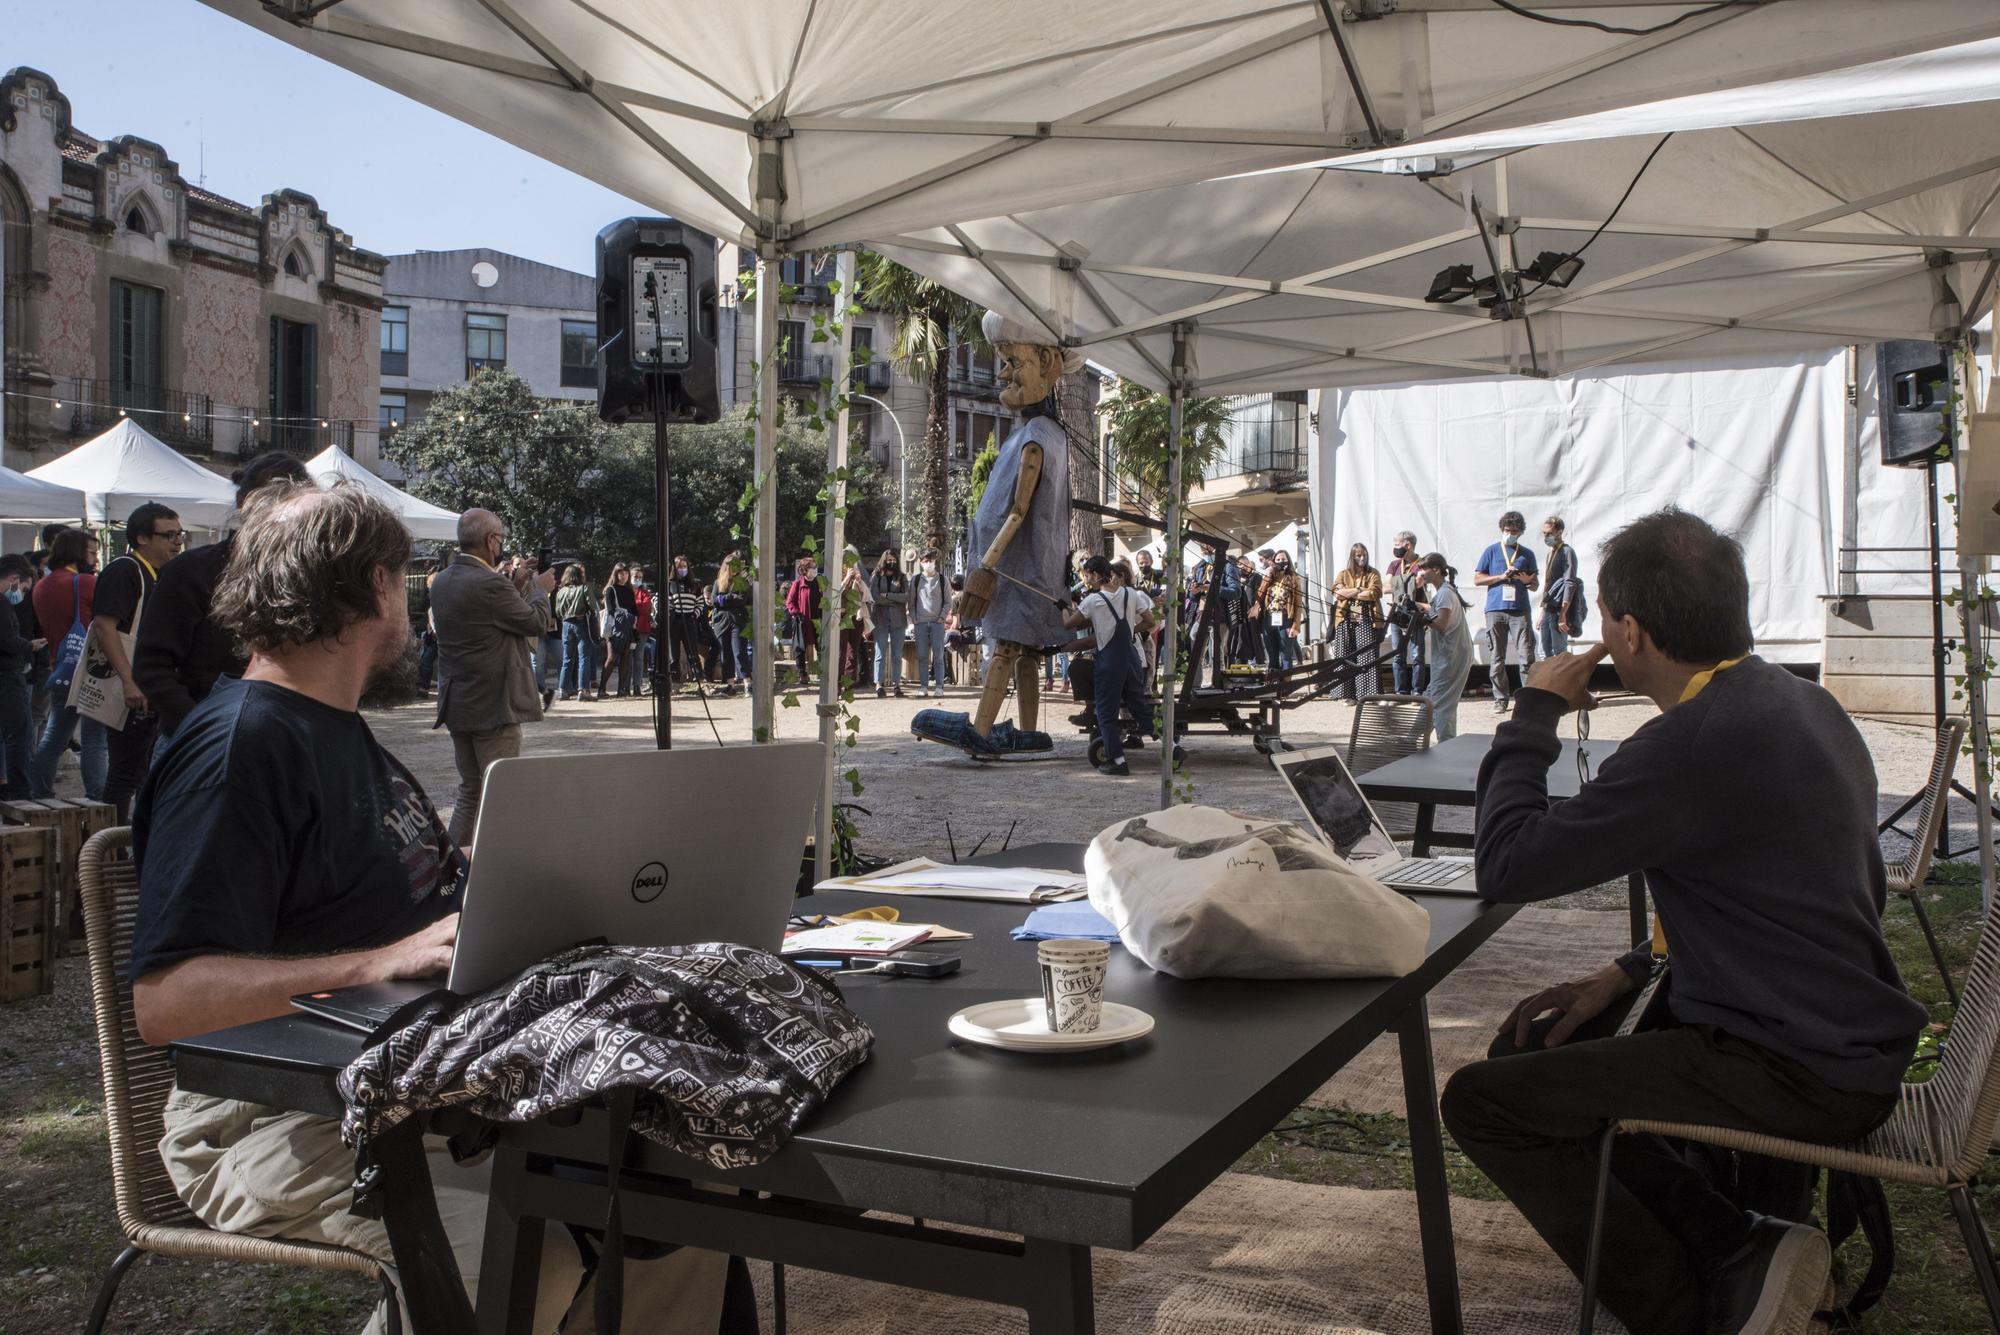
(1031, 362)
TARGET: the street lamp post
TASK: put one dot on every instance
(902, 469)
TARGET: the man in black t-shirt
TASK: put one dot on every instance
(153, 537)
(282, 850)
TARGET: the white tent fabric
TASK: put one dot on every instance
(424, 520)
(1759, 238)
(126, 466)
(24, 497)
(1760, 447)
(808, 122)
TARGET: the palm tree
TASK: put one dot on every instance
(929, 316)
(1138, 420)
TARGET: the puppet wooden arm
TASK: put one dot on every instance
(980, 584)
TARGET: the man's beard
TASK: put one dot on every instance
(393, 682)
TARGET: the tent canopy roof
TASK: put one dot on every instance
(424, 520)
(810, 122)
(126, 466)
(1749, 239)
(24, 497)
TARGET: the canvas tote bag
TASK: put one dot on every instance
(96, 691)
(1198, 892)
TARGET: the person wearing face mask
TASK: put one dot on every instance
(18, 646)
(930, 604)
(1559, 597)
(1279, 607)
(1409, 671)
(1508, 573)
(889, 589)
(1448, 642)
(803, 600)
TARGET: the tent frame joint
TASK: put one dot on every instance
(298, 13)
(776, 128)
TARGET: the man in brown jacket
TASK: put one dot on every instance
(485, 630)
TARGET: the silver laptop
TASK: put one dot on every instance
(1339, 811)
(633, 848)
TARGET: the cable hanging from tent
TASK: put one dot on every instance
(1527, 13)
(1610, 217)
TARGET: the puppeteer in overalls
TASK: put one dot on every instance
(1019, 537)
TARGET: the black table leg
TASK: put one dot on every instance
(1062, 1302)
(1642, 925)
(510, 1263)
(1420, 843)
(1413, 1038)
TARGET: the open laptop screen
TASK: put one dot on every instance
(1334, 803)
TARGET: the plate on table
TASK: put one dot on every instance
(1022, 1025)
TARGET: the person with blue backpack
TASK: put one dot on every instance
(62, 599)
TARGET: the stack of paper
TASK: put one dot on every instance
(857, 938)
(921, 876)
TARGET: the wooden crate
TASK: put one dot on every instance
(71, 822)
(27, 911)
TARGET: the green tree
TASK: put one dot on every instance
(1139, 421)
(982, 472)
(928, 316)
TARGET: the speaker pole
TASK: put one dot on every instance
(663, 570)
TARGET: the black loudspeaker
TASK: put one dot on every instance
(656, 319)
(1912, 386)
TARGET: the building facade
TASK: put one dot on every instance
(1256, 487)
(448, 313)
(222, 328)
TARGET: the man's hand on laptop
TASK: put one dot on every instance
(1574, 1004)
(1568, 675)
(422, 954)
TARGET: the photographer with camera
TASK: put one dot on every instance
(1409, 668)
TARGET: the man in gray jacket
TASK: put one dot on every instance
(485, 629)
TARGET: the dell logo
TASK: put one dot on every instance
(650, 882)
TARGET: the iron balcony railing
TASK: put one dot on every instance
(181, 419)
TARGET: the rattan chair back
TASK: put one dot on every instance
(1386, 728)
(1906, 874)
(137, 1078)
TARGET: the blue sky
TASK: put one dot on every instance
(257, 115)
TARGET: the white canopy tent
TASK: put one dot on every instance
(24, 497)
(424, 520)
(1735, 238)
(126, 466)
(792, 124)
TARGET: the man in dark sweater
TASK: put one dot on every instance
(1749, 803)
(181, 651)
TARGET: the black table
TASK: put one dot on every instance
(1066, 1153)
(1447, 775)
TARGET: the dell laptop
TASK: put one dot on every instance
(629, 848)
(1339, 811)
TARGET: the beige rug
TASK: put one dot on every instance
(1252, 1256)
(1540, 947)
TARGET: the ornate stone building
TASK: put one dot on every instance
(222, 328)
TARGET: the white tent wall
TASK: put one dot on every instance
(1760, 447)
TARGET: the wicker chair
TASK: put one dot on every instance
(137, 1079)
(1906, 877)
(1939, 1135)
(1386, 728)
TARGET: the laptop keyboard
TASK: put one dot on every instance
(1431, 873)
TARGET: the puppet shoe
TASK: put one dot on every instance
(1007, 737)
(952, 728)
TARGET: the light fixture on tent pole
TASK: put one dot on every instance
(1554, 268)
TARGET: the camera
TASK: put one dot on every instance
(1406, 614)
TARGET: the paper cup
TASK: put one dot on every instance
(1073, 984)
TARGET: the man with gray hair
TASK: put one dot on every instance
(485, 632)
(281, 849)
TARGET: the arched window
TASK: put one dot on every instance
(292, 265)
(135, 221)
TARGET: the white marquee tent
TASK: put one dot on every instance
(1739, 234)
(790, 124)
(24, 497)
(424, 520)
(126, 466)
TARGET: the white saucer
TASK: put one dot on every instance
(1022, 1025)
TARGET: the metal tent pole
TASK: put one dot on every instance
(1170, 556)
(830, 561)
(1973, 612)
(764, 529)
